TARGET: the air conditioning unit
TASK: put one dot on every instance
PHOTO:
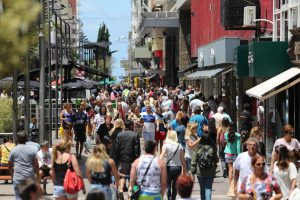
(249, 16)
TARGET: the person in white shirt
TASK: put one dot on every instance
(148, 119)
(242, 164)
(295, 195)
(196, 102)
(285, 172)
(44, 157)
(99, 119)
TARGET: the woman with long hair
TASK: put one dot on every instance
(66, 119)
(285, 171)
(60, 163)
(175, 162)
(175, 122)
(204, 165)
(221, 143)
(113, 133)
(120, 113)
(160, 133)
(191, 141)
(232, 149)
(135, 117)
(99, 169)
(259, 185)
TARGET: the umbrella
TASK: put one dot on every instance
(32, 84)
(76, 83)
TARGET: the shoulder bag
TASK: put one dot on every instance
(173, 155)
(72, 183)
(136, 190)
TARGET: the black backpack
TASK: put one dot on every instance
(205, 156)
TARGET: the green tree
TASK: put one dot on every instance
(16, 21)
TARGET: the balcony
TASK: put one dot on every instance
(156, 23)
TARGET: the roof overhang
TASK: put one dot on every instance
(156, 23)
(275, 85)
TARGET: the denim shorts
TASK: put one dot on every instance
(60, 192)
(230, 158)
(103, 188)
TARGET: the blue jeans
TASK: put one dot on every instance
(173, 173)
(103, 188)
(205, 187)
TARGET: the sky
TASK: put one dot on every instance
(116, 15)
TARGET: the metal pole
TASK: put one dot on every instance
(49, 72)
(27, 94)
(56, 77)
(42, 75)
(15, 105)
(61, 63)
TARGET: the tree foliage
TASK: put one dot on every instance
(103, 35)
(16, 38)
(6, 118)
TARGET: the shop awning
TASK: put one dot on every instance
(152, 77)
(189, 68)
(276, 84)
(203, 74)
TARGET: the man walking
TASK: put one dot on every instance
(79, 129)
(23, 162)
(149, 123)
(199, 119)
(127, 149)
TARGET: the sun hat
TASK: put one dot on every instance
(171, 137)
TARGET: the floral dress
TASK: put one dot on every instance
(260, 189)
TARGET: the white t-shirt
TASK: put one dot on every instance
(99, 119)
(295, 195)
(149, 122)
(285, 177)
(293, 145)
(170, 150)
(44, 158)
(196, 102)
(243, 164)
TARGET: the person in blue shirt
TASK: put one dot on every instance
(175, 122)
(199, 119)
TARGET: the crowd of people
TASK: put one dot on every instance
(155, 142)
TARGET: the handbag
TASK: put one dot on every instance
(61, 132)
(136, 190)
(72, 183)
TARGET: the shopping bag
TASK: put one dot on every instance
(61, 132)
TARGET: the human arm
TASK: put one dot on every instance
(163, 153)
(163, 177)
(192, 144)
(182, 161)
(136, 147)
(133, 176)
(76, 168)
(36, 169)
(88, 174)
(114, 171)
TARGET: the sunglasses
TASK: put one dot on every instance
(260, 164)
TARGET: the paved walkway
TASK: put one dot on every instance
(220, 186)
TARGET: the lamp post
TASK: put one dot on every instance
(42, 74)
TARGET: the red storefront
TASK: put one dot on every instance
(206, 23)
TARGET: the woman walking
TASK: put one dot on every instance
(259, 185)
(232, 150)
(61, 161)
(285, 171)
(113, 133)
(204, 165)
(160, 133)
(191, 141)
(66, 119)
(99, 168)
(175, 162)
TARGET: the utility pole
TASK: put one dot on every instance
(49, 72)
(42, 74)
